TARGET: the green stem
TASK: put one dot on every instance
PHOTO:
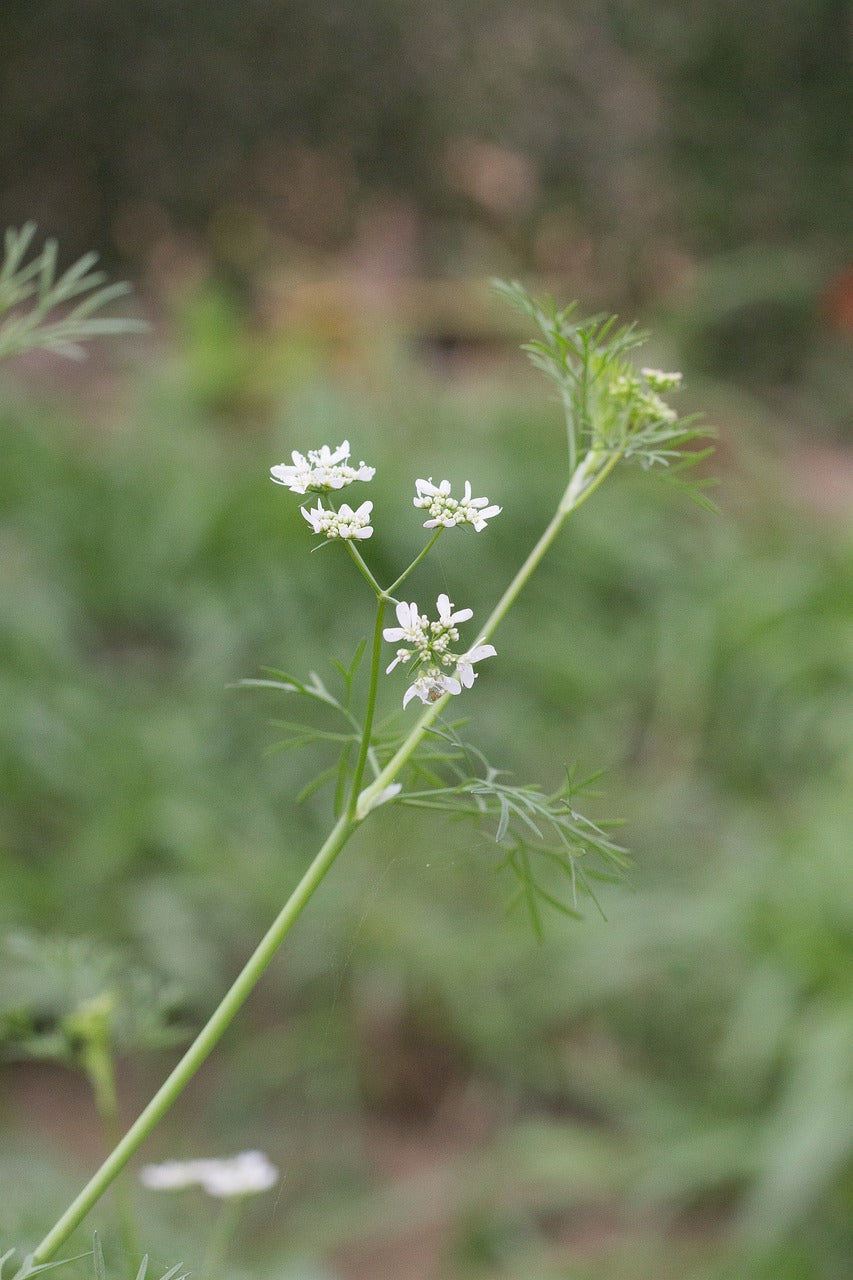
(433, 709)
(586, 479)
(100, 1069)
(571, 430)
(221, 1237)
(418, 558)
(202, 1046)
(361, 565)
(367, 732)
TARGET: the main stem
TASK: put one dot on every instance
(202, 1046)
(587, 477)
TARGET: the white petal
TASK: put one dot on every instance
(479, 652)
(467, 674)
(407, 615)
(415, 690)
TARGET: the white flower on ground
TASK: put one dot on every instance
(245, 1174)
(321, 471)
(431, 647)
(173, 1175)
(345, 523)
(448, 511)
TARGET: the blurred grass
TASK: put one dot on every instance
(666, 1093)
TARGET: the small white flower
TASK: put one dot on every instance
(446, 616)
(657, 380)
(465, 668)
(428, 645)
(431, 686)
(412, 624)
(447, 511)
(173, 1175)
(245, 1174)
(413, 628)
(321, 471)
(344, 523)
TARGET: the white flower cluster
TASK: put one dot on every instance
(326, 469)
(447, 511)
(345, 523)
(428, 645)
(321, 471)
(439, 668)
(245, 1174)
(657, 380)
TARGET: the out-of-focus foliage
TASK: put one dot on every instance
(523, 128)
(668, 1092)
(34, 301)
(51, 986)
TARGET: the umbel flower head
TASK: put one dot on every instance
(345, 523)
(642, 394)
(242, 1175)
(321, 471)
(428, 646)
(448, 511)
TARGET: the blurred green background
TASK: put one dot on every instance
(308, 198)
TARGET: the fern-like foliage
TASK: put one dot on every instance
(612, 409)
(27, 1268)
(554, 852)
(40, 309)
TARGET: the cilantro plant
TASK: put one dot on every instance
(614, 413)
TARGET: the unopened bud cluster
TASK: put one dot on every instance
(641, 394)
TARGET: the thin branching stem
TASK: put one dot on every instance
(367, 732)
(361, 565)
(418, 558)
